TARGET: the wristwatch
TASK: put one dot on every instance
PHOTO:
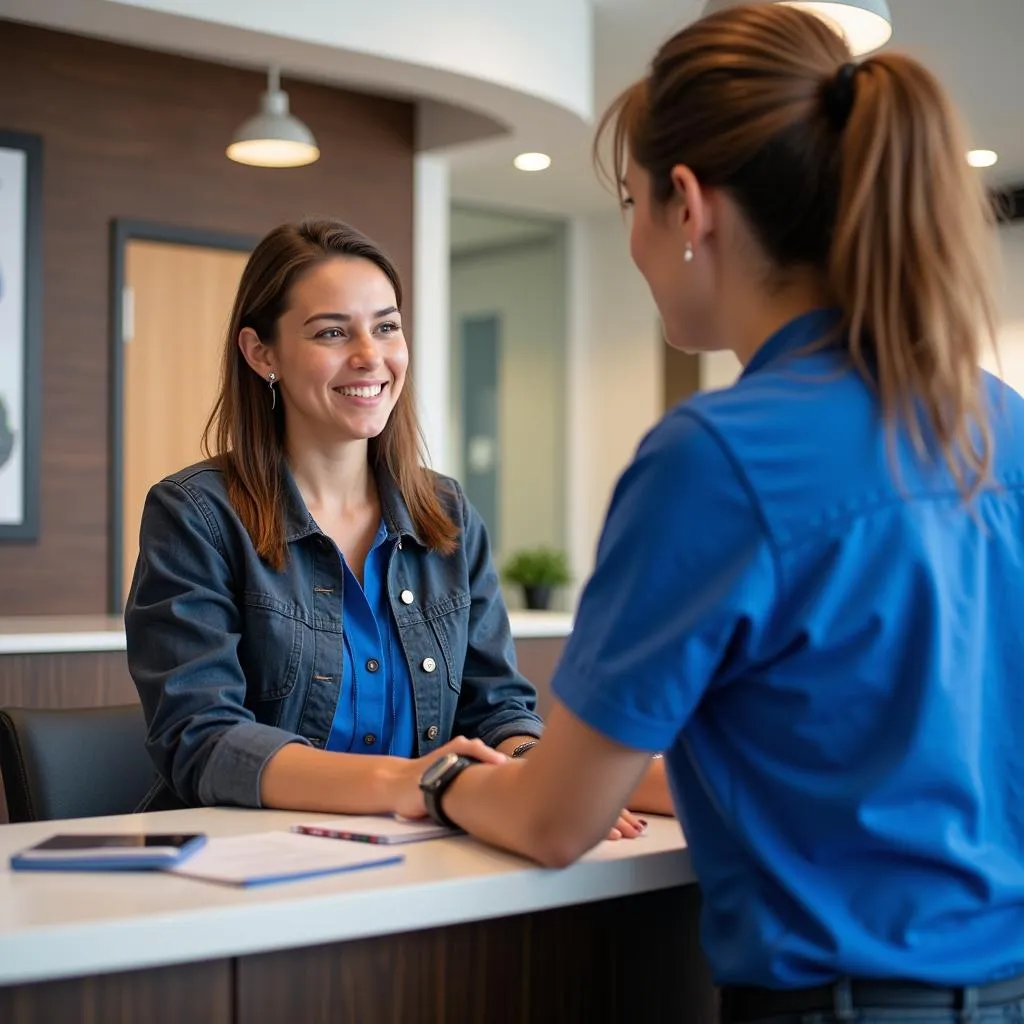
(435, 782)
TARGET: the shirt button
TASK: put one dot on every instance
(407, 597)
(372, 664)
(432, 732)
(429, 664)
(369, 739)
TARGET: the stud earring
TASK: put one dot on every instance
(271, 381)
(688, 253)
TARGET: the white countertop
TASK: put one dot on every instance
(55, 925)
(41, 634)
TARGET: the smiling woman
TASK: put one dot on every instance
(312, 592)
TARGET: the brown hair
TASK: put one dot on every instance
(872, 185)
(246, 435)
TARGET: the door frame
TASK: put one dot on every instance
(123, 231)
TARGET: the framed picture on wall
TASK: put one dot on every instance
(21, 273)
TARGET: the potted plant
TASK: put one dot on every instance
(538, 571)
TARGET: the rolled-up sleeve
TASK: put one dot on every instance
(686, 576)
(496, 700)
(183, 623)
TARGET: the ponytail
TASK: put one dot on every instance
(860, 169)
(910, 262)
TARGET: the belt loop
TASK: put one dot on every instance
(842, 1000)
(967, 998)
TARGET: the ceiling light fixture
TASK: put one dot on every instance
(532, 161)
(865, 24)
(982, 157)
(273, 137)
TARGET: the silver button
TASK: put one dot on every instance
(372, 664)
(369, 739)
(429, 664)
(407, 597)
(432, 732)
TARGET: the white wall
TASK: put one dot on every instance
(1011, 308)
(430, 334)
(720, 369)
(614, 392)
(524, 284)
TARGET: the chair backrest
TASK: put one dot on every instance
(73, 762)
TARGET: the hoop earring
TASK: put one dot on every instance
(688, 253)
(271, 381)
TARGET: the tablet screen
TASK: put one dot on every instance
(123, 843)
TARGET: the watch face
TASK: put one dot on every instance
(437, 770)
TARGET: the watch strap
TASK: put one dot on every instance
(433, 795)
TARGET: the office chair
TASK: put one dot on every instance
(73, 762)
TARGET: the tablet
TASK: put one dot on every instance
(108, 852)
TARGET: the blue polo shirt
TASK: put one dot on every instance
(831, 655)
(375, 712)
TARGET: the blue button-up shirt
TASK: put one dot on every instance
(375, 712)
(830, 653)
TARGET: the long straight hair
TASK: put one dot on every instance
(246, 436)
(879, 193)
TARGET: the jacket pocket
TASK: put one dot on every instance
(270, 651)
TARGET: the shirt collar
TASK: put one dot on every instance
(298, 523)
(803, 332)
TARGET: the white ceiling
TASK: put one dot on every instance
(471, 229)
(973, 45)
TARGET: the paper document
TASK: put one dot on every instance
(378, 829)
(267, 857)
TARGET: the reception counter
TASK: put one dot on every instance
(456, 933)
(63, 634)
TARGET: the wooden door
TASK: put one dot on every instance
(178, 302)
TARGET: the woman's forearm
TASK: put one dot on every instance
(508, 746)
(301, 778)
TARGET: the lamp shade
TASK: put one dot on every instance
(273, 137)
(865, 24)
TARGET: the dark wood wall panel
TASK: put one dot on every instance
(164, 995)
(631, 959)
(70, 680)
(138, 134)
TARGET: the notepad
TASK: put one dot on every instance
(383, 830)
(265, 858)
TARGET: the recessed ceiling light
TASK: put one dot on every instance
(532, 161)
(982, 157)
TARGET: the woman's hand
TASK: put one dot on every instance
(629, 826)
(404, 786)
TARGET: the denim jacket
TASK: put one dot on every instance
(233, 660)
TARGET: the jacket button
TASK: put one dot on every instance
(369, 739)
(407, 597)
(432, 732)
(429, 664)
(372, 664)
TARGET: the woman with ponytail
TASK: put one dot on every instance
(808, 584)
